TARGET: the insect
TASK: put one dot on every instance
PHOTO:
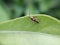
(34, 19)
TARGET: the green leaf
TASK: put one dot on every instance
(46, 24)
(3, 14)
(24, 31)
(28, 38)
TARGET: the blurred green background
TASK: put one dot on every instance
(10, 9)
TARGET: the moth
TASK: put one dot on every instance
(34, 19)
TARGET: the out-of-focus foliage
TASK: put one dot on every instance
(3, 14)
(18, 8)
